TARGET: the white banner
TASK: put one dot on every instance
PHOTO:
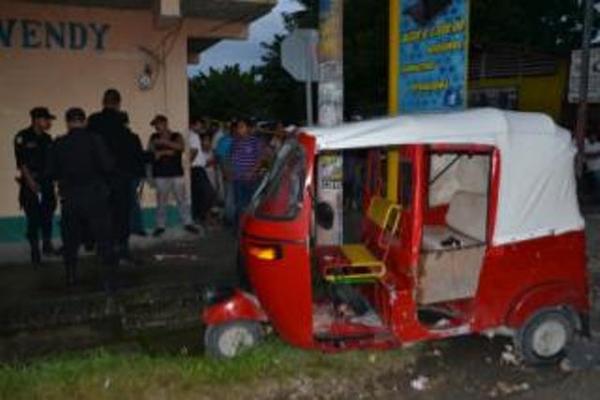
(575, 77)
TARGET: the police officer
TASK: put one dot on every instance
(111, 125)
(36, 192)
(81, 163)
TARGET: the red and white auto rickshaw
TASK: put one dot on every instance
(471, 226)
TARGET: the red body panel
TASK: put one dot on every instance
(283, 286)
(240, 306)
(521, 278)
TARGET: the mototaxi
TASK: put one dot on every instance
(470, 225)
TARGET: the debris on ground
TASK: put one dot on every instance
(322, 317)
(170, 257)
(370, 318)
(442, 323)
(509, 357)
(420, 383)
(506, 389)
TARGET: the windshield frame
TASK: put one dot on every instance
(289, 148)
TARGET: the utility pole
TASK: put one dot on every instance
(582, 110)
(331, 113)
(331, 63)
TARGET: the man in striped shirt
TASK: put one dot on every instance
(246, 154)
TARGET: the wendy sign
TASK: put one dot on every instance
(69, 35)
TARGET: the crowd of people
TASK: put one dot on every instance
(98, 169)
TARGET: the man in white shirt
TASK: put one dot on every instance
(201, 158)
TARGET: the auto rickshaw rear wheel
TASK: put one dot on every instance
(545, 337)
(230, 339)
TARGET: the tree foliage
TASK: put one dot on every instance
(270, 92)
(284, 97)
(226, 93)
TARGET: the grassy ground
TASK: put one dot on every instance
(104, 374)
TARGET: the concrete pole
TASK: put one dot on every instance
(310, 119)
(331, 113)
(582, 111)
(331, 63)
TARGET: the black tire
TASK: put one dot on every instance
(230, 339)
(545, 337)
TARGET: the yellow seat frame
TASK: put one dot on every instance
(384, 214)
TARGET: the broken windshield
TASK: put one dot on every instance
(280, 194)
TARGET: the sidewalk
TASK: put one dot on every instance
(38, 312)
(18, 252)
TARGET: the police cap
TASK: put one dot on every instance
(41, 112)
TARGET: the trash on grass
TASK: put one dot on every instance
(420, 383)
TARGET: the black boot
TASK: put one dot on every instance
(48, 249)
(71, 272)
(36, 256)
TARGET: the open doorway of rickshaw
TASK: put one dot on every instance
(348, 278)
(457, 229)
(456, 188)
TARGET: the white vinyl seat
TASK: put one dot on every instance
(434, 238)
(466, 223)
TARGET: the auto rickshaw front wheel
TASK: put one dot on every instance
(230, 339)
(545, 337)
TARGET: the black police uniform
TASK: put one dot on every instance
(81, 164)
(32, 151)
(110, 125)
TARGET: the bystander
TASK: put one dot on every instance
(246, 155)
(167, 169)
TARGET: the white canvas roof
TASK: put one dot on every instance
(537, 194)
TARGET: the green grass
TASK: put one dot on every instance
(103, 374)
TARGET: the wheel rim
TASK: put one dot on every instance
(235, 339)
(549, 339)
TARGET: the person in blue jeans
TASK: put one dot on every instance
(223, 155)
(246, 153)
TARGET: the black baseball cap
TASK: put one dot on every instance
(41, 112)
(75, 114)
(158, 119)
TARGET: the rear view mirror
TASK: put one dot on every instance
(324, 215)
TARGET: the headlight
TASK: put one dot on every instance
(265, 253)
(212, 295)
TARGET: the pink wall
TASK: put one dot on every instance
(63, 77)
